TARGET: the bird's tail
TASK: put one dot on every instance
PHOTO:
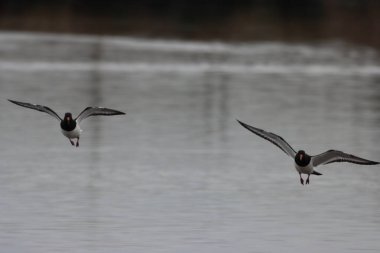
(316, 173)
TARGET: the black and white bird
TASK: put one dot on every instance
(303, 162)
(69, 126)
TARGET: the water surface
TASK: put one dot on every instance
(177, 173)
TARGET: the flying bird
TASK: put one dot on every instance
(303, 162)
(69, 126)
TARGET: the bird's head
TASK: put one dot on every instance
(300, 155)
(68, 117)
(302, 158)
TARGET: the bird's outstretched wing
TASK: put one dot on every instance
(274, 138)
(40, 108)
(95, 111)
(332, 156)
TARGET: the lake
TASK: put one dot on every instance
(177, 173)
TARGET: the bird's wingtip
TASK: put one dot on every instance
(370, 162)
(242, 123)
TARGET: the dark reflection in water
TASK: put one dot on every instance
(95, 84)
(215, 106)
(177, 173)
(95, 91)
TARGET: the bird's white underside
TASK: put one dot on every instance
(304, 170)
(72, 134)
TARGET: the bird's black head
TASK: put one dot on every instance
(68, 124)
(68, 117)
(302, 159)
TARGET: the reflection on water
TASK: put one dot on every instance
(178, 174)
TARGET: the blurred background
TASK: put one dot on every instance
(233, 20)
(177, 173)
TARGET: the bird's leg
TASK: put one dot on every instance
(301, 179)
(78, 142)
(72, 142)
(307, 180)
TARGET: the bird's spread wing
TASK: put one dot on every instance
(332, 156)
(40, 108)
(94, 111)
(275, 139)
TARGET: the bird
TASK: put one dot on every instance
(303, 162)
(69, 126)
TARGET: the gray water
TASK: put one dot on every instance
(177, 173)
